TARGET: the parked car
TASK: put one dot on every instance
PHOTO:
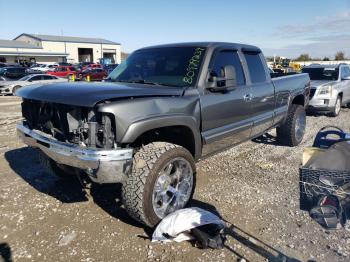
(330, 88)
(45, 68)
(12, 73)
(83, 65)
(92, 66)
(64, 64)
(10, 87)
(109, 68)
(63, 71)
(164, 108)
(94, 73)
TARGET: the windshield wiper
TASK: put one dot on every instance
(143, 81)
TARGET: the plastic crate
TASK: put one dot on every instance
(312, 185)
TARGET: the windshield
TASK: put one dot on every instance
(322, 73)
(170, 66)
(24, 78)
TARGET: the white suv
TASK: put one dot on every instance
(330, 87)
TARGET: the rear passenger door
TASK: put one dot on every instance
(226, 116)
(262, 92)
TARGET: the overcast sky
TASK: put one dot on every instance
(285, 28)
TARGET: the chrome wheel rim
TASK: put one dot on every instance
(300, 125)
(173, 187)
(337, 106)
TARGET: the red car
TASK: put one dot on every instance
(94, 73)
(92, 65)
(63, 71)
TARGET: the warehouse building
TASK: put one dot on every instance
(52, 49)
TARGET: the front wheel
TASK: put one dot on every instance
(162, 181)
(14, 89)
(337, 107)
(292, 131)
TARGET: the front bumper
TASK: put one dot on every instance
(5, 91)
(102, 166)
(322, 103)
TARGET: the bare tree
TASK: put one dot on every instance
(340, 56)
(304, 57)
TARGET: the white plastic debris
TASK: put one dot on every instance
(176, 226)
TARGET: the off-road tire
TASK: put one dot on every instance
(286, 133)
(138, 188)
(57, 170)
(335, 111)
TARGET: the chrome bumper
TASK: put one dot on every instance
(103, 166)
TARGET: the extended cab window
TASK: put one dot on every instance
(255, 67)
(225, 58)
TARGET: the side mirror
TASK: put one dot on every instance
(346, 78)
(220, 84)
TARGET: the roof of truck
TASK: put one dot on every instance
(237, 46)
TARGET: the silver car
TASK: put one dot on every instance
(330, 87)
(10, 87)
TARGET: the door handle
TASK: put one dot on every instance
(248, 97)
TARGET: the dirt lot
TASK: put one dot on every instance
(253, 186)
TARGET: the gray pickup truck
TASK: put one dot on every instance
(158, 112)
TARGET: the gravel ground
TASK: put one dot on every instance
(254, 187)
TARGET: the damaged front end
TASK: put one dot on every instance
(76, 136)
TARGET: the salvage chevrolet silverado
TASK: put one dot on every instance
(159, 111)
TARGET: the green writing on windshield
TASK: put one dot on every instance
(193, 65)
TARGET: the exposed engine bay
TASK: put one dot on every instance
(78, 125)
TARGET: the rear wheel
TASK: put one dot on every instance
(337, 107)
(162, 181)
(291, 133)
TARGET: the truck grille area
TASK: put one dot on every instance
(71, 124)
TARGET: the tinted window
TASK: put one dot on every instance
(347, 70)
(255, 67)
(20, 70)
(36, 78)
(25, 78)
(344, 72)
(48, 77)
(322, 73)
(225, 58)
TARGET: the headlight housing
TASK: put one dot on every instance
(325, 90)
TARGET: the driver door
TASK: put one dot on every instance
(226, 116)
